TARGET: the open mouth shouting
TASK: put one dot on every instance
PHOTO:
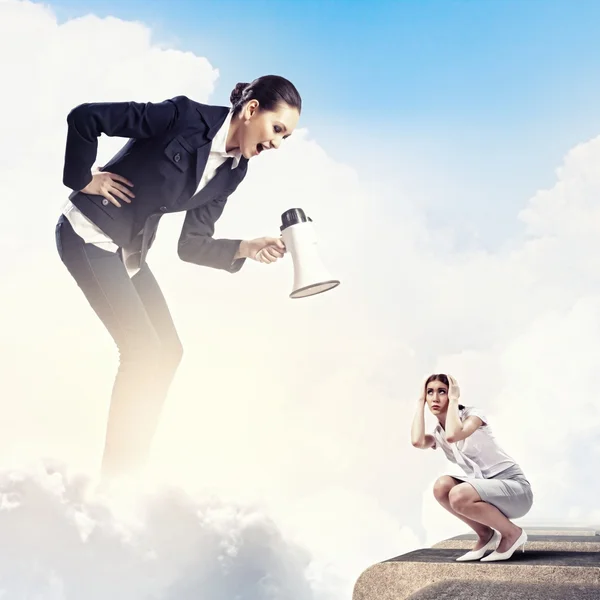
(261, 147)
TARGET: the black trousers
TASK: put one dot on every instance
(136, 315)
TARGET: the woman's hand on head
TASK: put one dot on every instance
(453, 389)
(109, 185)
(265, 249)
(423, 395)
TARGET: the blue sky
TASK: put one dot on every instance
(477, 98)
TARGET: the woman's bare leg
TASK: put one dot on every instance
(465, 501)
(441, 491)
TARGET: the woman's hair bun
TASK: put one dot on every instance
(237, 93)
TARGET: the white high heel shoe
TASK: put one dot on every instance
(506, 555)
(477, 554)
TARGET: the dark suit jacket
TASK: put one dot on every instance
(164, 158)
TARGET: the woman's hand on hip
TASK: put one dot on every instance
(265, 249)
(109, 185)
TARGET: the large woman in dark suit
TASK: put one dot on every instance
(181, 156)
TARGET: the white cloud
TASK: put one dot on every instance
(65, 544)
(304, 404)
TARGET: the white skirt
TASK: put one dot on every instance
(510, 493)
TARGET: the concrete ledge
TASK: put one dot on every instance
(578, 531)
(536, 541)
(402, 577)
(492, 590)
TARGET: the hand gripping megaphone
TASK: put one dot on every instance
(310, 275)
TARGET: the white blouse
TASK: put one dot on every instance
(479, 455)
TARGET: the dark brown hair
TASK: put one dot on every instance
(269, 90)
(443, 379)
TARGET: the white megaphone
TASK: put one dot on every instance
(310, 275)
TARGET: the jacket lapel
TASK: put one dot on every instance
(213, 117)
(201, 158)
(225, 181)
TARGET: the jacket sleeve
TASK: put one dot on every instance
(87, 122)
(197, 245)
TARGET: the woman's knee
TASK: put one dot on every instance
(150, 348)
(461, 495)
(173, 353)
(166, 356)
(442, 487)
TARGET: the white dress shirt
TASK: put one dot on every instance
(92, 234)
(479, 455)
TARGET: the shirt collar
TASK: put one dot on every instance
(219, 143)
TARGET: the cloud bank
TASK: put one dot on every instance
(62, 545)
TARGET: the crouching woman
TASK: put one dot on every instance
(493, 489)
